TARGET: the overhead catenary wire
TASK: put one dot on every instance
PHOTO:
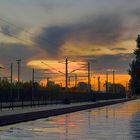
(51, 67)
(29, 33)
(13, 36)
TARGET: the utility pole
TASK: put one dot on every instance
(66, 74)
(48, 79)
(94, 86)
(107, 82)
(89, 77)
(33, 75)
(11, 76)
(18, 63)
(75, 80)
(98, 84)
(113, 72)
(33, 79)
(11, 88)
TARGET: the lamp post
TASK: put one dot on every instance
(113, 80)
(89, 84)
(76, 80)
(114, 90)
(89, 75)
(99, 89)
(107, 82)
(94, 86)
(11, 86)
(33, 79)
(66, 77)
(18, 63)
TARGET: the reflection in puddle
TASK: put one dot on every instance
(135, 126)
(47, 130)
(116, 122)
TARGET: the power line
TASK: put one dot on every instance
(11, 35)
(31, 34)
(25, 41)
(51, 67)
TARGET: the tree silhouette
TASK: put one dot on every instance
(134, 72)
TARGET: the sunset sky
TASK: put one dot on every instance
(98, 31)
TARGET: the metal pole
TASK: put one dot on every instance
(113, 81)
(11, 74)
(11, 79)
(94, 86)
(66, 74)
(75, 80)
(106, 82)
(89, 86)
(99, 84)
(33, 77)
(18, 63)
(48, 81)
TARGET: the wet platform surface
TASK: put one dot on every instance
(115, 122)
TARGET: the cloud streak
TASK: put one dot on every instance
(8, 29)
(119, 49)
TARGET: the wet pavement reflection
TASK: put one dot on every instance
(116, 122)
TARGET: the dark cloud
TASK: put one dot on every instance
(51, 39)
(101, 63)
(119, 62)
(119, 49)
(11, 51)
(136, 11)
(102, 30)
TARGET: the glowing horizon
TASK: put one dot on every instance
(58, 73)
